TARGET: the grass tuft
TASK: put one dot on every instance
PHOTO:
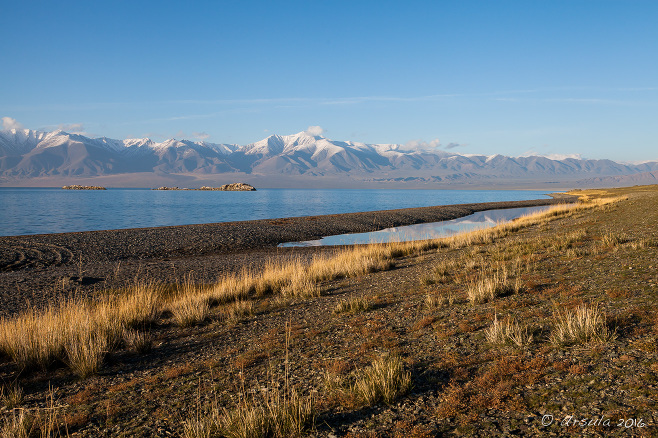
(11, 396)
(85, 351)
(490, 284)
(190, 310)
(586, 324)
(353, 305)
(385, 380)
(137, 341)
(238, 310)
(433, 301)
(500, 333)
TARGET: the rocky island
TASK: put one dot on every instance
(78, 187)
(233, 187)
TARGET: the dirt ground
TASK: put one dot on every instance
(461, 383)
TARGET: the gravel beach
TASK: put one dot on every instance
(38, 269)
(164, 375)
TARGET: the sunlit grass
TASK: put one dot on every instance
(80, 333)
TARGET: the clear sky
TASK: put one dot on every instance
(508, 77)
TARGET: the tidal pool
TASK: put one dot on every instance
(431, 230)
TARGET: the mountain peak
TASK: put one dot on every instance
(306, 153)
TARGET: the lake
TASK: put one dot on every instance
(53, 210)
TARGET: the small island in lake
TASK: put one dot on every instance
(233, 187)
(78, 187)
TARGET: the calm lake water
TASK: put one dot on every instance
(52, 210)
(432, 230)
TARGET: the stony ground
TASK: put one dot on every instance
(461, 384)
(40, 269)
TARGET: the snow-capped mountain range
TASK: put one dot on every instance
(29, 154)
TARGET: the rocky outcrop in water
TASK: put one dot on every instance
(77, 187)
(233, 187)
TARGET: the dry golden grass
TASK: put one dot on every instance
(231, 288)
(137, 341)
(238, 310)
(85, 349)
(500, 333)
(385, 380)
(79, 333)
(353, 305)
(274, 413)
(190, 310)
(586, 324)
(613, 239)
(11, 396)
(434, 301)
(489, 284)
(301, 285)
(44, 422)
(17, 425)
(280, 414)
(75, 332)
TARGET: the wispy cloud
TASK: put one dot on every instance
(201, 135)
(314, 130)
(293, 101)
(420, 145)
(10, 123)
(73, 128)
(432, 145)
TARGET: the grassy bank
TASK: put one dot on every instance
(468, 323)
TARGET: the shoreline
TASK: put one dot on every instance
(41, 269)
(223, 237)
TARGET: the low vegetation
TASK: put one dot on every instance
(40, 338)
(500, 333)
(272, 413)
(350, 318)
(582, 325)
(384, 380)
(353, 305)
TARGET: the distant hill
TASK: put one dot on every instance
(300, 158)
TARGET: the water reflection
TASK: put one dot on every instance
(432, 230)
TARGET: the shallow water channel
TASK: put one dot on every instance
(431, 230)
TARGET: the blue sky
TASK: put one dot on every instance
(509, 77)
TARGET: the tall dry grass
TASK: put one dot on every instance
(352, 305)
(489, 284)
(79, 333)
(43, 422)
(384, 380)
(276, 413)
(499, 333)
(584, 324)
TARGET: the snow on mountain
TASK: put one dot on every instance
(27, 153)
(19, 141)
